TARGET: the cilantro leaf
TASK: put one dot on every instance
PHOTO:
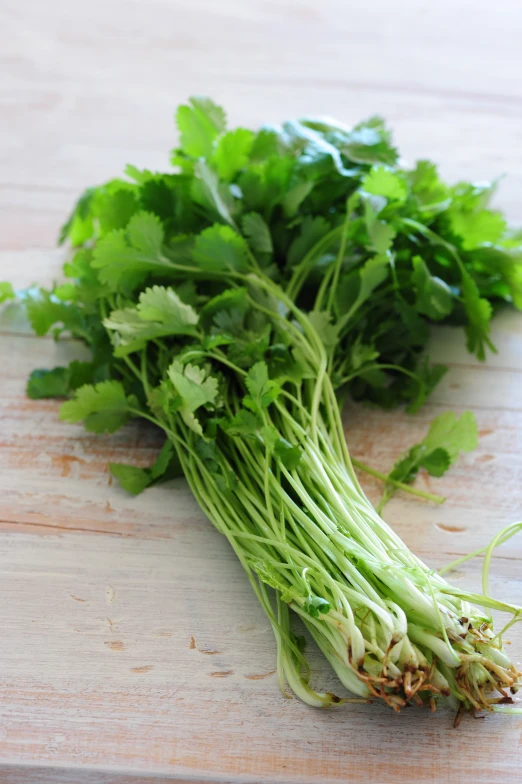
(212, 194)
(312, 230)
(232, 152)
(447, 437)
(352, 293)
(285, 452)
(116, 207)
(244, 423)
(163, 305)
(437, 462)
(296, 195)
(380, 233)
(124, 258)
(452, 434)
(479, 312)
(230, 298)
(103, 408)
(62, 381)
(195, 389)
(48, 383)
(434, 298)
(428, 190)
(262, 391)
(6, 292)
(257, 233)
(79, 227)
(45, 310)
(382, 181)
(476, 227)
(199, 123)
(317, 150)
(159, 313)
(370, 142)
(133, 479)
(322, 323)
(361, 354)
(220, 248)
(317, 606)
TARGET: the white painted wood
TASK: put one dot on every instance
(131, 647)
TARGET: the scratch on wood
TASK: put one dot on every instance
(49, 528)
(140, 670)
(64, 462)
(115, 645)
(192, 643)
(260, 677)
(77, 598)
(452, 529)
(209, 653)
(221, 673)
(110, 594)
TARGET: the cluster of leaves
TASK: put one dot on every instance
(164, 282)
(447, 437)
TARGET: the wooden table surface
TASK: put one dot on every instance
(131, 647)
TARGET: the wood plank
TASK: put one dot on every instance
(129, 611)
(132, 648)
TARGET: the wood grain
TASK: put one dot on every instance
(131, 648)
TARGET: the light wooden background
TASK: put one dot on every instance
(131, 647)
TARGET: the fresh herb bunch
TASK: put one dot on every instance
(233, 304)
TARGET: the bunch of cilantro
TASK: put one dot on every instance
(233, 303)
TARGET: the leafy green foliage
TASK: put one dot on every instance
(220, 248)
(195, 388)
(316, 606)
(280, 448)
(124, 257)
(434, 297)
(159, 313)
(192, 286)
(102, 408)
(257, 233)
(447, 437)
(478, 311)
(199, 124)
(45, 311)
(61, 381)
(48, 383)
(232, 152)
(381, 181)
(6, 292)
(311, 232)
(262, 391)
(134, 480)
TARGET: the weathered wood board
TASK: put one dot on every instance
(131, 647)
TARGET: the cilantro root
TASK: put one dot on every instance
(233, 304)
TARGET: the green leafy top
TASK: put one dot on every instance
(264, 260)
